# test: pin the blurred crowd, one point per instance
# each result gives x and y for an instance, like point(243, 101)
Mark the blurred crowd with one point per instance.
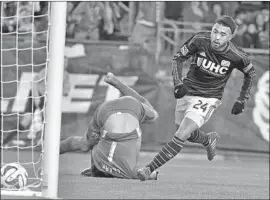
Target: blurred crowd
point(26, 10)
point(252, 18)
point(96, 20)
point(85, 20)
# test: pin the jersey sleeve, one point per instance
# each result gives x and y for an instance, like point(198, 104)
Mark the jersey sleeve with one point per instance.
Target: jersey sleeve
point(190, 47)
point(244, 64)
point(246, 67)
point(148, 114)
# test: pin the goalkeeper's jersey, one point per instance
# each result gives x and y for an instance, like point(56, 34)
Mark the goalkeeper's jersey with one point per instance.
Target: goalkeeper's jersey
point(117, 153)
point(210, 70)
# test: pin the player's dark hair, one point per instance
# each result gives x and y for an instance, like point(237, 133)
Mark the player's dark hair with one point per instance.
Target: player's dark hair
point(226, 20)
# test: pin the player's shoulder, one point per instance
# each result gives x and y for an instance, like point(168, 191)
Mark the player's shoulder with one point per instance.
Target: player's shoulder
point(238, 52)
point(201, 37)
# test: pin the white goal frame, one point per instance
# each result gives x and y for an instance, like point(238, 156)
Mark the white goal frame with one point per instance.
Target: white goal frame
point(57, 30)
point(54, 99)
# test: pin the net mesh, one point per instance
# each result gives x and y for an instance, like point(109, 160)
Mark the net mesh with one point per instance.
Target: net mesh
point(24, 60)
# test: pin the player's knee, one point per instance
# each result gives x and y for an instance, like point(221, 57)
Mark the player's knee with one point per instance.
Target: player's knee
point(185, 129)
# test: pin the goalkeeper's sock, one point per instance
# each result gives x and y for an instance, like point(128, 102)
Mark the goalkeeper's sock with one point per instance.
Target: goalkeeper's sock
point(200, 137)
point(170, 150)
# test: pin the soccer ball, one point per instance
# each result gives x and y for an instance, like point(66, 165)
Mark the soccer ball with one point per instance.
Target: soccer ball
point(13, 176)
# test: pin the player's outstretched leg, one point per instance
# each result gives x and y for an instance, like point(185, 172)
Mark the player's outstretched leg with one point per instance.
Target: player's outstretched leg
point(111, 79)
point(123, 88)
point(211, 147)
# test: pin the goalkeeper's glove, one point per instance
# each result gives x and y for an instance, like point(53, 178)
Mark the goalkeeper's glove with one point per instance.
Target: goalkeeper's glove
point(180, 91)
point(238, 107)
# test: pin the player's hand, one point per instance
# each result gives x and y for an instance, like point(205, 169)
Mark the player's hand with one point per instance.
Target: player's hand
point(180, 91)
point(238, 107)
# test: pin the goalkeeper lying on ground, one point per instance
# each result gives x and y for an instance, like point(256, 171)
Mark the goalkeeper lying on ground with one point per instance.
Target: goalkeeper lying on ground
point(114, 134)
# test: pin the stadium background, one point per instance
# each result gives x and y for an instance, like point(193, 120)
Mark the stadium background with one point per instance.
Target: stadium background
point(137, 45)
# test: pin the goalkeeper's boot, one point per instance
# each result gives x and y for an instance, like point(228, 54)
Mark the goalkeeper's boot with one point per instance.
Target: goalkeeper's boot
point(110, 79)
point(211, 147)
point(144, 173)
point(87, 172)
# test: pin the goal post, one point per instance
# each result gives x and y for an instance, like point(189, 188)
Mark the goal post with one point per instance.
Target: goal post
point(21, 43)
point(54, 99)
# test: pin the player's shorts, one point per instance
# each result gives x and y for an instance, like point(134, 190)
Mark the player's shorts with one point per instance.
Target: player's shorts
point(198, 109)
point(117, 154)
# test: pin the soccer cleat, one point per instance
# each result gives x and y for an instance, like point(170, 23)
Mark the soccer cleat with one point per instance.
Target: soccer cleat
point(211, 147)
point(153, 175)
point(87, 172)
point(144, 173)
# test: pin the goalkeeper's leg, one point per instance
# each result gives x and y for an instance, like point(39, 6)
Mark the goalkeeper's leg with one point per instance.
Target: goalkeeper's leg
point(74, 143)
point(125, 89)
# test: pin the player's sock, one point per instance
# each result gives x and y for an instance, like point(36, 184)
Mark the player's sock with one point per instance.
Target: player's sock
point(170, 150)
point(200, 137)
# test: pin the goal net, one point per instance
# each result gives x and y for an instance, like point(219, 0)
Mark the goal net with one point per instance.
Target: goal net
point(32, 43)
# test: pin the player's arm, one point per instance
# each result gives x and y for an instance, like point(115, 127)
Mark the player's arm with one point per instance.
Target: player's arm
point(186, 51)
point(249, 72)
point(182, 55)
point(249, 75)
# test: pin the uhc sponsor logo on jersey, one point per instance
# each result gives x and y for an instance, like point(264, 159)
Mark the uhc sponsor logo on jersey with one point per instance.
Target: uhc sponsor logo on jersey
point(213, 67)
